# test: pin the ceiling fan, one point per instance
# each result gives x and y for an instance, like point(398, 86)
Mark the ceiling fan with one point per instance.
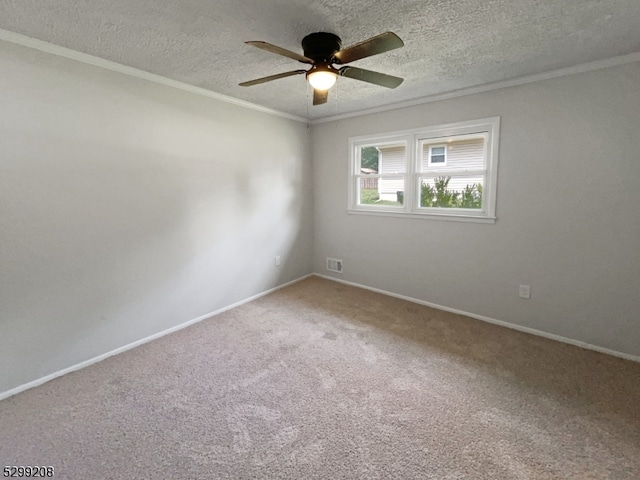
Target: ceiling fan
point(322, 50)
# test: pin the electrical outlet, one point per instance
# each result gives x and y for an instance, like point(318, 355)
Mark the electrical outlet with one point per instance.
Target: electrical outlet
point(525, 291)
point(277, 260)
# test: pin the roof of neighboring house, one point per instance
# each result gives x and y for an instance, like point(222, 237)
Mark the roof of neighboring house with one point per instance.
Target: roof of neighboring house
point(368, 170)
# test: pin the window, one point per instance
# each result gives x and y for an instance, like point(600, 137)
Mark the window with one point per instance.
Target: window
point(438, 154)
point(446, 172)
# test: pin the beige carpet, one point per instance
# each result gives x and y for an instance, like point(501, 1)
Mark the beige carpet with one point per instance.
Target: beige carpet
point(324, 381)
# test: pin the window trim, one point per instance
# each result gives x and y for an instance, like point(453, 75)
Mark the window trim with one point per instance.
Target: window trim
point(414, 138)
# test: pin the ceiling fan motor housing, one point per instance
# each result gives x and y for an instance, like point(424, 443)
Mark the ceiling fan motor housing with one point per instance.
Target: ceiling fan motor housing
point(321, 46)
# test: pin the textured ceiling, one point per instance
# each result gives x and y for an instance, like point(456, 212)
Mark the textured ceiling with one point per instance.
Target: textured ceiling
point(449, 44)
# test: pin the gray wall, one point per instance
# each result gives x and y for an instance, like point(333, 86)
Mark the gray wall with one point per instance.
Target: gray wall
point(127, 208)
point(568, 196)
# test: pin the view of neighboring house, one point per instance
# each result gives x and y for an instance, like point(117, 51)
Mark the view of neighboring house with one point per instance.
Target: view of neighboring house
point(391, 160)
point(369, 183)
point(462, 160)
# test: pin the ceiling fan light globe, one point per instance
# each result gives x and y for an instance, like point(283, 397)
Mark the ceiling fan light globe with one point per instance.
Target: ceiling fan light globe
point(322, 80)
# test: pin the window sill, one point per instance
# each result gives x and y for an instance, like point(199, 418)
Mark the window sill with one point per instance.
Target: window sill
point(425, 216)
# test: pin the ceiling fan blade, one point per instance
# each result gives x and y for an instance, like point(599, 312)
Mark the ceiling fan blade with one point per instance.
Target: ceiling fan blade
point(378, 44)
point(271, 77)
point(280, 51)
point(370, 76)
point(320, 96)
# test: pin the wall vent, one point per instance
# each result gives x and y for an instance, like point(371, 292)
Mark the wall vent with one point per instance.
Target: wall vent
point(334, 265)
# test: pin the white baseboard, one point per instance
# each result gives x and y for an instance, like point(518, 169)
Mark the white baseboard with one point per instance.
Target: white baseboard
point(137, 343)
point(513, 326)
point(91, 361)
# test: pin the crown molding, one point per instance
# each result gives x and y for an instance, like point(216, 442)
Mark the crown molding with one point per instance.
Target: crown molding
point(50, 48)
point(487, 87)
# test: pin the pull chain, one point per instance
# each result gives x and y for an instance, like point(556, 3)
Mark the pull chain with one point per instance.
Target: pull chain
point(307, 83)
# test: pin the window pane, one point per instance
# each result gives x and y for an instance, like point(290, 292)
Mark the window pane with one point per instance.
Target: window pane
point(369, 157)
point(390, 158)
point(464, 154)
point(384, 192)
point(452, 191)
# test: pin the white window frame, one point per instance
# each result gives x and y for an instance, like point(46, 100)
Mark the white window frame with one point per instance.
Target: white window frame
point(431, 162)
point(413, 139)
